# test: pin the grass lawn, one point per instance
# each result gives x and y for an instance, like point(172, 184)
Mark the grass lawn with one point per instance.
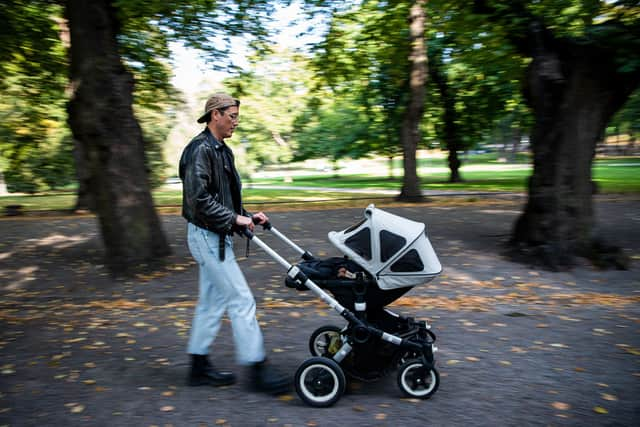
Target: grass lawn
point(173, 198)
point(613, 175)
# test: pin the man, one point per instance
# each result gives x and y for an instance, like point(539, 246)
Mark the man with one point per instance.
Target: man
point(212, 205)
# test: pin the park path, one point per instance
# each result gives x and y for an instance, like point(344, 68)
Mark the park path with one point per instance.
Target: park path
point(518, 346)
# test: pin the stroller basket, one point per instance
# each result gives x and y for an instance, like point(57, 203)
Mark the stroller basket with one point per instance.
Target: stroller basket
point(385, 256)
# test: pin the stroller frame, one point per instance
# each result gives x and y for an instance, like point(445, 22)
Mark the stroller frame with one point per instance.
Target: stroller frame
point(320, 380)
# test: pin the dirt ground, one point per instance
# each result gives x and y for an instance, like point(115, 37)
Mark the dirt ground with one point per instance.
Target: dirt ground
point(517, 345)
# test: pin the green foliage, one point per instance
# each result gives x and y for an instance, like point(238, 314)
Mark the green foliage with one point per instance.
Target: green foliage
point(362, 69)
point(612, 24)
point(479, 73)
point(269, 104)
point(627, 120)
point(35, 144)
point(334, 130)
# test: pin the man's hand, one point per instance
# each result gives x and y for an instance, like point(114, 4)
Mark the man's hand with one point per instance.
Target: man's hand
point(260, 218)
point(244, 221)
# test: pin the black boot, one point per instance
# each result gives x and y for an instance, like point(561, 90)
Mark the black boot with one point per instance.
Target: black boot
point(265, 379)
point(203, 373)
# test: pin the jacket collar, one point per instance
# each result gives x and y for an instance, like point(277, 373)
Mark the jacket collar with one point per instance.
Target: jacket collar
point(212, 139)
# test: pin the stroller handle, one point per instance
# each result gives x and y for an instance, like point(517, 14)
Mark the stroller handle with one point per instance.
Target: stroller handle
point(306, 255)
point(245, 232)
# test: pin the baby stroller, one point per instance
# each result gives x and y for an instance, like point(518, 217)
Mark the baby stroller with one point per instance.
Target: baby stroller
point(385, 255)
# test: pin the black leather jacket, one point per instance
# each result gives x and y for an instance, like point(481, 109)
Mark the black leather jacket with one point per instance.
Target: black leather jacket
point(211, 187)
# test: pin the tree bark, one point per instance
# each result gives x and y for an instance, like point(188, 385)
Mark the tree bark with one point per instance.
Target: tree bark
point(410, 131)
point(573, 91)
point(451, 137)
point(110, 139)
point(84, 199)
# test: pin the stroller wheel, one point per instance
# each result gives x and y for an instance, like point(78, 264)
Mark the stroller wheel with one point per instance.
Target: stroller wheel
point(403, 358)
point(320, 382)
point(416, 381)
point(325, 341)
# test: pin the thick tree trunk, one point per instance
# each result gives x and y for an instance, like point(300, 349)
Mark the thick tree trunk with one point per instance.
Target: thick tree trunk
point(573, 92)
point(84, 199)
point(410, 132)
point(112, 151)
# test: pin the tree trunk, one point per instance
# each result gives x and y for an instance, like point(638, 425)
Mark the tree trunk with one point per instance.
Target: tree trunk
point(515, 144)
point(410, 131)
point(451, 139)
point(84, 199)
point(573, 92)
point(112, 151)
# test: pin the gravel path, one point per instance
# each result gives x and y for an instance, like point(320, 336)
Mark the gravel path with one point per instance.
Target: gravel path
point(517, 345)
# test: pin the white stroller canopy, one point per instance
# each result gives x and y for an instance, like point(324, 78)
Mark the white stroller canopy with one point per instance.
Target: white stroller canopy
point(393, 249)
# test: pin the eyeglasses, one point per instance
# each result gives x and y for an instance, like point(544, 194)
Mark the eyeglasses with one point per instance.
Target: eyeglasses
point(233, 116)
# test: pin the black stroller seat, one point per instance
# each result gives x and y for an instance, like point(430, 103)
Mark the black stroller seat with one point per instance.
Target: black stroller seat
point(348, 282)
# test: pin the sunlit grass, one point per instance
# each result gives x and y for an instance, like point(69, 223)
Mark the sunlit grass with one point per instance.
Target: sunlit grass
point(173, 198)
point(612, 176)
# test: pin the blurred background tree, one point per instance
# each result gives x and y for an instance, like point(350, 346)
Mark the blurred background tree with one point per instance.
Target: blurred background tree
point(366, 58)
point(477, 78)
point(35, 143)
point(120, 102)
point(564, 71)
point(584, 65)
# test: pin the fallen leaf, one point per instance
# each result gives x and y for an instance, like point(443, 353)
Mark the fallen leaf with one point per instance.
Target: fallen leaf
point(561, 406)
point(600, 410)
point(77, 409)
point(285, 397)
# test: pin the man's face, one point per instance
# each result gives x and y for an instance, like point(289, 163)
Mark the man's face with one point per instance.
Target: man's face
point(226, 122)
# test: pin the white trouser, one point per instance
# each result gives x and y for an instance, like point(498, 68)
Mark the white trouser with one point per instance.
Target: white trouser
point(222, 288)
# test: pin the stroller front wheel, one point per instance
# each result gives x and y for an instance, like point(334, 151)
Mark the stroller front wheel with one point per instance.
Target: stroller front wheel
point(325, 341)
point(320, 382)
point(416, 381)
